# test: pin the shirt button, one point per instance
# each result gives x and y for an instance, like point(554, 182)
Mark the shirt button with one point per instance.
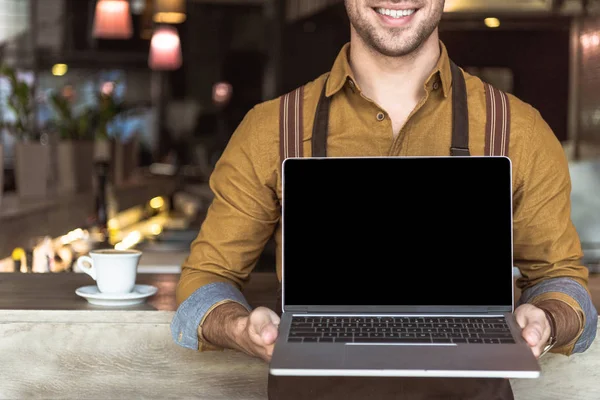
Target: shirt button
point(380, 116)
point(436, 85)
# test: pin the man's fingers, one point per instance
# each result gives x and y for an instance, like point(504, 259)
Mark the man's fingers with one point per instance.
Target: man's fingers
point(269, 334)
point(534, 323)
point(521, 320)
point(266, 354)
point(521, 317)
point(260, 317)
point(269, 350)
point(533, 333)
point(261, 333)
point(274, 317)
point(264, 325)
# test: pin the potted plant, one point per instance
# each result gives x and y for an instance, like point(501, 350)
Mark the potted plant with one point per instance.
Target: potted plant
point(76, 146)
point(32, 157)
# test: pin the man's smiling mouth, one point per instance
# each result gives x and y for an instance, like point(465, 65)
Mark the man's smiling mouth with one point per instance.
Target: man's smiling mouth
point(395, 13)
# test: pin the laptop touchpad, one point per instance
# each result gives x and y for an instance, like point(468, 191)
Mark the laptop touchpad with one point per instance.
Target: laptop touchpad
point(398, 356)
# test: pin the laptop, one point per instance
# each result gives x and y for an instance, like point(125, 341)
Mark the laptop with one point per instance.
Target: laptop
point(399, 266)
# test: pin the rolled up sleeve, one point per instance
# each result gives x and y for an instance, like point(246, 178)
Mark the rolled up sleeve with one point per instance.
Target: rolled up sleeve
point(239, 222)
point(192, 312)
point(547, 248)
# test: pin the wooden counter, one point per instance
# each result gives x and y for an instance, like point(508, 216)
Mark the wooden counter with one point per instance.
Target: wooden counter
point(57, 291)
point(54, 345)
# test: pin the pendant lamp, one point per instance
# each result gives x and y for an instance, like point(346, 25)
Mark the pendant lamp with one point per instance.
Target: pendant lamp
point(112, 20)
point(169, 11)
point(165, 49)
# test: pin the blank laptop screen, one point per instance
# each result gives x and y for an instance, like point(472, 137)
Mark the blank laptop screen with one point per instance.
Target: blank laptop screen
point(397, 231)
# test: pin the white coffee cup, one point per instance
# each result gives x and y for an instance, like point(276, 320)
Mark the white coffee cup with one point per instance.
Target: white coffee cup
point(113, 270)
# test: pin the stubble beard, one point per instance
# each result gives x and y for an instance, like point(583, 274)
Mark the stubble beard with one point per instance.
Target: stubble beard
point(398, 42)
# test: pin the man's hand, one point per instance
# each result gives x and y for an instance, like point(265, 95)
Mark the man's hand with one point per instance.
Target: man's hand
point(535, 325)
point(230, 326)
point(256, 334)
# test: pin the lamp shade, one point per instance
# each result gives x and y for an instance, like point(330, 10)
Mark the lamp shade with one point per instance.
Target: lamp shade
point(169, 11)
point(112, 20)
point(165, 49)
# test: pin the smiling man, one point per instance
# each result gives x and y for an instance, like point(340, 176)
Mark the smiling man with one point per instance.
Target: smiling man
point(390, 93)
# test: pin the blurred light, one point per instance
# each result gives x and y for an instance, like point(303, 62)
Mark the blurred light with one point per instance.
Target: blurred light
point(590, 39)
point(450, 5)
point(112, 20)
point(169, 11)
point(107, 88)
point(60, 69)
point(156, 229)
point(163, 169)
point(492, 22)
point(138, 6)
point(596, 117)
point(157, 202)
point(165, 49)
point(129, 241)
point(112, 224)
point(66, 255)
point(222, 93)
point(18, 253)
point(77, 234)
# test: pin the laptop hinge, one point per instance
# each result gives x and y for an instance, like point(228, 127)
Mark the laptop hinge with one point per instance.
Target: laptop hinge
point(296, 310)
point(497, 310)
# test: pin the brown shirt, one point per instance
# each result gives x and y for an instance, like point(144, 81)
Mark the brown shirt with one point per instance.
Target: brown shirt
point(247, 184)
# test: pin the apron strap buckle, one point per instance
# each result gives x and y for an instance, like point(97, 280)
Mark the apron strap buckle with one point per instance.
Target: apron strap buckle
point(459, 152)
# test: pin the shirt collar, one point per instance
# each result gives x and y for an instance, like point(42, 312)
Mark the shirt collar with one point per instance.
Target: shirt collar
point(341, 71)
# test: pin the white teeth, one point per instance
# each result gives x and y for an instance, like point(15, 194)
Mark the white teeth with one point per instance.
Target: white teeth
point(395, 13)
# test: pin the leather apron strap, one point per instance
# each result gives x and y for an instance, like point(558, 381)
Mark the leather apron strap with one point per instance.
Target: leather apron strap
point(321, 125)
point(460, 114)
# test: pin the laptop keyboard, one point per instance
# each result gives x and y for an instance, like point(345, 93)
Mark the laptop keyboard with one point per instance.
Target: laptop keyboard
point(399, 330)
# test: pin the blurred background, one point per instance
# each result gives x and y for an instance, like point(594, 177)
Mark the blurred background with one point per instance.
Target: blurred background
point(113, 112)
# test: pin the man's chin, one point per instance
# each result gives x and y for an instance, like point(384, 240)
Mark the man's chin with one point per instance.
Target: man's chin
point(394, 51)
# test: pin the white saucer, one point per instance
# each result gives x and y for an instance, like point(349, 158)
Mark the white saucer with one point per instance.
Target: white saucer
point(137, 296)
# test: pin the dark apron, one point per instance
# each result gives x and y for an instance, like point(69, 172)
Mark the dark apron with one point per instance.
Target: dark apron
point(296, 388)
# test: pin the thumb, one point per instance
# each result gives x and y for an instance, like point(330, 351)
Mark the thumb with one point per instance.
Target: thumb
point(532, 329)
point(532, 334)
point(264, 324)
